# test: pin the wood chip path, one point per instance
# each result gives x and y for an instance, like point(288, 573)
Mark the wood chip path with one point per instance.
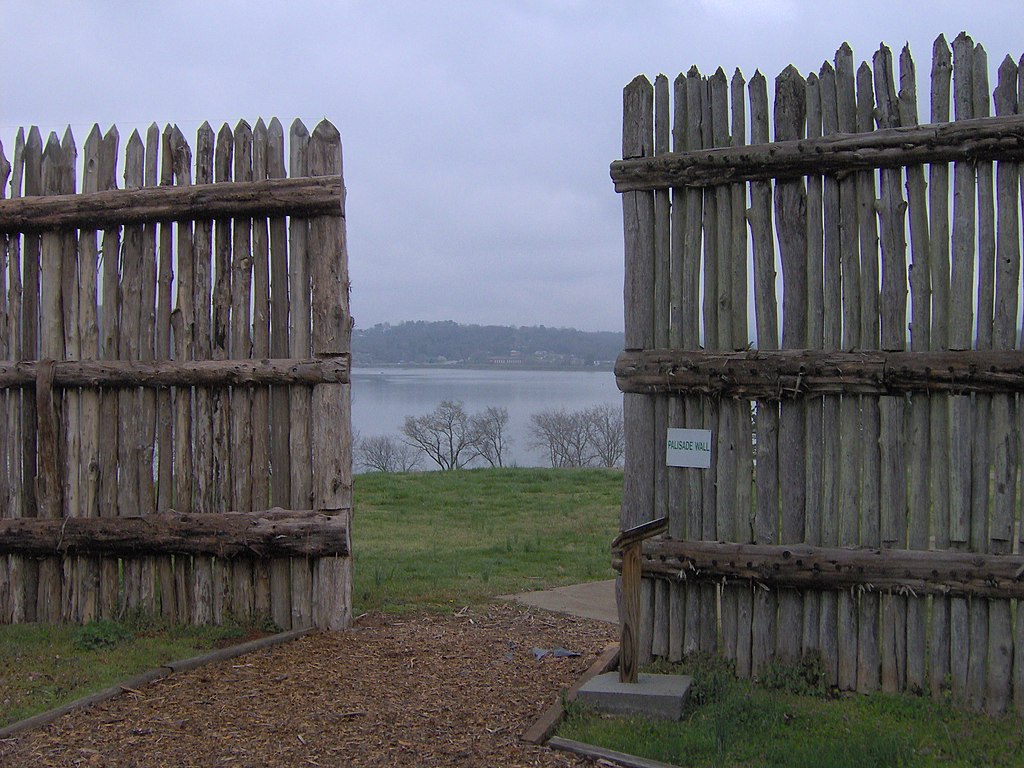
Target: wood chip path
point(413, 690)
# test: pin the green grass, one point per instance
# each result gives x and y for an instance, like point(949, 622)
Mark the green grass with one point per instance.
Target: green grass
point(443, 538)
point(734, 723)
point(45, 665)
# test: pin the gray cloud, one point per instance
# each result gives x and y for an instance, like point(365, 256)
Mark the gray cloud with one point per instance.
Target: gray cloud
point(477, 134)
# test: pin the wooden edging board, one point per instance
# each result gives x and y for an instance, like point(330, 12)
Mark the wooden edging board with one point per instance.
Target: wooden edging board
point(152, 675)
point(607, 755)
point(545, 725)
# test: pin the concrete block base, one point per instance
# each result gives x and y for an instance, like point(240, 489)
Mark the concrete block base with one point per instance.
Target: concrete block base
point(656, 696)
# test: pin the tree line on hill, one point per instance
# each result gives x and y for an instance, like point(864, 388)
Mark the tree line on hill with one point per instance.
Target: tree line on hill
point(451, 438)
point(421, 342)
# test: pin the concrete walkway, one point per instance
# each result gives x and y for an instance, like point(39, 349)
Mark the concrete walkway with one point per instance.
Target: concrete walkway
point(593, 600)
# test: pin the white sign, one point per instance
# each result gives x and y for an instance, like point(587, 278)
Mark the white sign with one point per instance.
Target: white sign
point(689, 448)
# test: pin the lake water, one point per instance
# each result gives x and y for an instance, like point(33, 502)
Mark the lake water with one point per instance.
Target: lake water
point(383, 397)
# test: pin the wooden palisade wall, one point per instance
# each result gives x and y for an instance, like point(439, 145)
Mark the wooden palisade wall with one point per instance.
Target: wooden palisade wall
point(863, 501)
point(174, 392)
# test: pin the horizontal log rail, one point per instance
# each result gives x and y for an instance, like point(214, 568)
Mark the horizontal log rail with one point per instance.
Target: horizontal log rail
point(986, 138)
point(274, 533)
point(768, 375)
point(177, 373)
point(307, 197)
point(910, 572)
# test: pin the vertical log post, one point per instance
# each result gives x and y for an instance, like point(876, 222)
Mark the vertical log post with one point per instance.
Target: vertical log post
point(938, 259)
point(638, 410)
point(790, 221)
point(8, 405)
point(868, 662)
point(693, 203)
point(280, 491)
point(48, 476)
point(300, 398)
point(629, 650)
point(850, 455)
point(32, 157)
point(629, 544)
point(677, 620)
point(13, 423)
point(242, 594)
point(766, 508)
point(332, 431)
point(109, 592)
point(202, 589)
point(164, 404)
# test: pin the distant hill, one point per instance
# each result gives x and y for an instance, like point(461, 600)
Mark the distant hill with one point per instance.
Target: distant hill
point(447, 342)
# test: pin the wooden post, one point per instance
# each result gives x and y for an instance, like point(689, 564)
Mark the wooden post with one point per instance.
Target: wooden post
point(128, 349)
point(109, 586)
point(205, 468)
point(850, 455)
point(18, 400)
point(71, 431)
point(8, 405)
point(868, 663)
point(676, 490)
point(164, 404)
point(1007, 278)
point(149, 590)
point(243, 596)
point(280, 490)
point(693, 414)
point(629, 543)
point(938, 259)
point(790, 220)
point(766, 509)
point(260, 423)
point(961, 322)
point(183, 326)
point(331, 406)
point(638, 410)
point(629, 636)
point(819, 224)
point(32, 158)
point(743, 515)
point(918, 496)
point(724, 428)
point(48, 476)
point(662, 315)
point(981, 461)
point(300, 398)
point(893, 328)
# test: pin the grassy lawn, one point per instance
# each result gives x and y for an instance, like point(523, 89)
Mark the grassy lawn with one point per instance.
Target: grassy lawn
point(446, 538)
point(793, 721)
point(45, 665)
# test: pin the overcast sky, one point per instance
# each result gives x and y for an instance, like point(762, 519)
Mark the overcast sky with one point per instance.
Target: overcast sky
point(477, 135)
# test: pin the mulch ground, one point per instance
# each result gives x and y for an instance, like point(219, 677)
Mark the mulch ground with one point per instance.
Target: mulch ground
point(420, 690)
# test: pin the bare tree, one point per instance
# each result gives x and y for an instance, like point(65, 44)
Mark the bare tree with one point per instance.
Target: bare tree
point(383, 453)
point(592, 437)
point(608, 434)
point(567, 437)
point(488, 430)
point(444, 435)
